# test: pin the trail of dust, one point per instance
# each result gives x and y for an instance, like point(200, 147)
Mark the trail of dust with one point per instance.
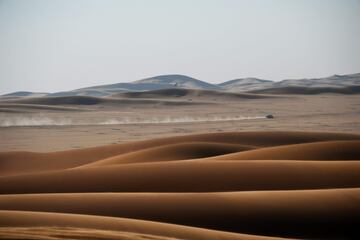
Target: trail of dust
point(10, 121)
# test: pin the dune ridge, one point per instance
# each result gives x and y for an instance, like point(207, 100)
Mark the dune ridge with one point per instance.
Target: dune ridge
point(232, 185)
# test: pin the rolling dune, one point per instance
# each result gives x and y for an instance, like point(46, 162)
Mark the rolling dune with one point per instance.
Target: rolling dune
point(18, 162)
point(291, 213)
point(190, 176)
point(213, 186)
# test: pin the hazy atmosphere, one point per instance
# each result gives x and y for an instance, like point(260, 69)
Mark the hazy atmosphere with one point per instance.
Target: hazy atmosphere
point(179, 119)
point(63, 45)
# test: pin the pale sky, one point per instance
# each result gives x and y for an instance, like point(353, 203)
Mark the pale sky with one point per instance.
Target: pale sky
point(67, 44)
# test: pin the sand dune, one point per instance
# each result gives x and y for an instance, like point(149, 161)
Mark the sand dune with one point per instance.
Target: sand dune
point(218, 185)
point(15, 163)
point(303, 214)
point(190, 176)
point(70, 226)
point(333, 150)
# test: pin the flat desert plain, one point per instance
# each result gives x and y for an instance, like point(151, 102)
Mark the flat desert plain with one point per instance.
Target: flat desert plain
point(196, 166)
point(44, 126)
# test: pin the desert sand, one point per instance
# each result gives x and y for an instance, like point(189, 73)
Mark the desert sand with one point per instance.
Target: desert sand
point(199, 165)
point(232, 185)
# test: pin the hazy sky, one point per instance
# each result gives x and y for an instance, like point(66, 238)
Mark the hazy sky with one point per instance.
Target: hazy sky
point(68, 44)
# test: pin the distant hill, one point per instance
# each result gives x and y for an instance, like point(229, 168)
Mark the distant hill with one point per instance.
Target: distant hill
point(176, 81)
point(341, 84)
point(147, 84)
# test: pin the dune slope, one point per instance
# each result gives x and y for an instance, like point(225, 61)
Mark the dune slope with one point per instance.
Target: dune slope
point(276, 213)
